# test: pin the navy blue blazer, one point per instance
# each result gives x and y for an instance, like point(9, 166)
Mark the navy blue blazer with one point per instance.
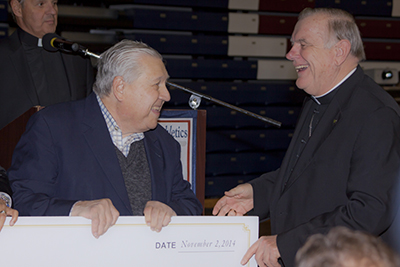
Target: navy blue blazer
point(66, 155)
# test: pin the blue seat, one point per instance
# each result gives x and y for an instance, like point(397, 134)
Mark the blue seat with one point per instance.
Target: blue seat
point(224, 118)
point(248, 140)
point(365, 8)
point(3, 11)
point(211, 69)
point(178, 20)
point(269, 93)
point(183, 44)
point(4, 30)
point(217, 185)
point(192, 3)
point(242, 163)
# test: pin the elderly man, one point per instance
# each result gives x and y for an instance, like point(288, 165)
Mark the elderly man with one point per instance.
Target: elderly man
point(5, 200)
point(106, 155)
point(344, 158)
point(30, 75)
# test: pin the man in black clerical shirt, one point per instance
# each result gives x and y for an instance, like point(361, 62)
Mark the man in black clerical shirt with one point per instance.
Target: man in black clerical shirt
point(342, 165)
point(30, 75)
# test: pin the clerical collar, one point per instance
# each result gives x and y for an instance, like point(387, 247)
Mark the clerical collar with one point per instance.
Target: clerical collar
point(29, 39)
point(327, 97)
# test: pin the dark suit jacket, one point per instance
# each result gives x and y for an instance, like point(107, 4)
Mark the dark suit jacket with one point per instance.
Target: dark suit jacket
point(17, 90)
point(345, 174)
point(4, 184)
point(66, 155)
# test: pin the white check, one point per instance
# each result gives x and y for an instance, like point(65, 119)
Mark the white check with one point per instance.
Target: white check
point(202, 241)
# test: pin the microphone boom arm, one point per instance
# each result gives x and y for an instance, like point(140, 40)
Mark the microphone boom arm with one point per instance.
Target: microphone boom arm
point(222, 103)
point(208, 98)
point(88, 53)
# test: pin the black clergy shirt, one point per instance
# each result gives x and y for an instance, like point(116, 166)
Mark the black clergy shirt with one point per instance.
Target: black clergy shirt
point(47, 70)
point(313, 115)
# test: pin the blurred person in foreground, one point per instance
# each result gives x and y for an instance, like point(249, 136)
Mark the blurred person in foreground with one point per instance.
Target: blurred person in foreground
point(343, 247)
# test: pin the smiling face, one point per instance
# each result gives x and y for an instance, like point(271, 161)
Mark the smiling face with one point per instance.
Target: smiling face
point(36, 17)
point(140, 101)
point(313, 61)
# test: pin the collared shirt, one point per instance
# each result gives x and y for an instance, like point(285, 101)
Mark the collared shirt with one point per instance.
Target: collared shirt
point(315, 112)
point(47, 70)
point(123, 144)
point(336, 86)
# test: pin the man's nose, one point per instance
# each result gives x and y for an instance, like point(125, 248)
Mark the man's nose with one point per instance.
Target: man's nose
point(164, 93)
point(52, 8)
point(291, 55)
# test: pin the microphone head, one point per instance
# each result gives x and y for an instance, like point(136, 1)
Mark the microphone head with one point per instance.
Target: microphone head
point(47, 41)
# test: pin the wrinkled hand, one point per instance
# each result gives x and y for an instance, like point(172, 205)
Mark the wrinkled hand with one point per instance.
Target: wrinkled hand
point(236, 202)
point(102, 213)
point(8, 212)
point(157, 215)
point(266, 252)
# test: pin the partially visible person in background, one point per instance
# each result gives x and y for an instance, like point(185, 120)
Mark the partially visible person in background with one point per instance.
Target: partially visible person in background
point(343, 247)
point(31, 76)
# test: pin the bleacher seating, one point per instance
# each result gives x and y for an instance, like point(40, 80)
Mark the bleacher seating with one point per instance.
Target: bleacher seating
point(238, 140)
point(232, 50)
point(242, 163)
point(3, 19)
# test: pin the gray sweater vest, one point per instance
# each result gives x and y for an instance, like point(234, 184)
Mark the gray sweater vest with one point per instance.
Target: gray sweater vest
point(136, 173)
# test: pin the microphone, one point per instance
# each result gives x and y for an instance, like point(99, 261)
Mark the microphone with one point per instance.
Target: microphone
point(52, 42)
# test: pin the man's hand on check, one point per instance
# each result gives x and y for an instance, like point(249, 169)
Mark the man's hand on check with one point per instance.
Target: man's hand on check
point(157, 215)
point(6, 211)
point(236, 202)
point(102, 213)
point(266, 252)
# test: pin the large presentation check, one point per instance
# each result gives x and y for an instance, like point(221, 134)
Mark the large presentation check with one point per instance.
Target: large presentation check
point(202, 241)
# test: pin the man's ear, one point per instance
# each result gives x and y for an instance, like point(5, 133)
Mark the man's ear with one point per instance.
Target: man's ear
point(16, 8)
point(118, 87)
point(342, 50)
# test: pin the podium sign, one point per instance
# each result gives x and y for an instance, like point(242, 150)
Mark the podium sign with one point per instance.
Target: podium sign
point(182, 130)
point(195, 241)
point(188, 127)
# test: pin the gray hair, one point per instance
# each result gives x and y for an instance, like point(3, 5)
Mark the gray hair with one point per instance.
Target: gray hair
point(345, 247)
point(123, 59)
point(341, 26)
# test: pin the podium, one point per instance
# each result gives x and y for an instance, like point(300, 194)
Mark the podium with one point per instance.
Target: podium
point(10, 135)
point(188, 127)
